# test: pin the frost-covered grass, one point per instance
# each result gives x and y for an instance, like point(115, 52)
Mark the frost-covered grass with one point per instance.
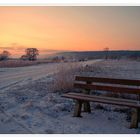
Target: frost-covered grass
point(35, 108)
point(64, 79)
point(20, 63)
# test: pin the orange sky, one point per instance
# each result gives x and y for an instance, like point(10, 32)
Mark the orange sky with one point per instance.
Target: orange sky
point(52, 29)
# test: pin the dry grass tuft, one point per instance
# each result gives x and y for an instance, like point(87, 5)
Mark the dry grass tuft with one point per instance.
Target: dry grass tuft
point(64, 79)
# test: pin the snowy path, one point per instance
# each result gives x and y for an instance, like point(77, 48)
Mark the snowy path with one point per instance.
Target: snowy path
point(12, 76)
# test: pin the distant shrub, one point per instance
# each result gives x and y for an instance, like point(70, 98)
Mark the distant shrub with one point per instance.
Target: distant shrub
point(20, 63)
point(24, 57)
point(15, 63)
point(4, 55)
point(135, 56)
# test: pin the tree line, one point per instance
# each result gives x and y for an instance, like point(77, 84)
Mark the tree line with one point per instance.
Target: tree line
point(30, 54)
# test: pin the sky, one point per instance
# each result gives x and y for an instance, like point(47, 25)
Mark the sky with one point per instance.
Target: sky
point(69, 28)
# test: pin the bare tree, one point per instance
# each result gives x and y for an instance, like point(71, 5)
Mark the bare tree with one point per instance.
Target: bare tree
point(4, 55)
point(31, 53)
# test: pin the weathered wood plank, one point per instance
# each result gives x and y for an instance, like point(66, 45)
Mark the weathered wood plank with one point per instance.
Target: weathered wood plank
point(108, 88)
point(104, 97)
point(108, 80)
point(82, 98)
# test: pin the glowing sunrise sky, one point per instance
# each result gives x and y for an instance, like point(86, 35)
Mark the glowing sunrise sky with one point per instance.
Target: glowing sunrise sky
point(53, 29)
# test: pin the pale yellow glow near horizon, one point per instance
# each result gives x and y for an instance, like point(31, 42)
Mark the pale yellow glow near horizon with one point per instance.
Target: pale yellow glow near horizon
point(69, 28)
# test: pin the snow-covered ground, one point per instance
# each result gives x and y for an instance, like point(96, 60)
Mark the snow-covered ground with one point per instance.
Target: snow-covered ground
point(12, 76)
point(30, 107)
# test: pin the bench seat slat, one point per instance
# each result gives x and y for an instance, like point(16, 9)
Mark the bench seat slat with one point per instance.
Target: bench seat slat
point(104, 97)
point(109, 80)
point(99, 100)
point(108, 88)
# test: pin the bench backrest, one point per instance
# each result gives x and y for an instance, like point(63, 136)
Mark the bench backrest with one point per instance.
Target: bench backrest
point(108, 84)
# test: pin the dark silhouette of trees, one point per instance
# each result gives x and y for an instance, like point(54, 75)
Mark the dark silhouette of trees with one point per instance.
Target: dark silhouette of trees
point(134, 56)
point(31, 54)
point(24, 57)
point(4, 55)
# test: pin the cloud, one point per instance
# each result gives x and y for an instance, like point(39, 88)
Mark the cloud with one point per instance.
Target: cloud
point(49, 50)
point(16, 46)
point(6, 48)
point(13, 46)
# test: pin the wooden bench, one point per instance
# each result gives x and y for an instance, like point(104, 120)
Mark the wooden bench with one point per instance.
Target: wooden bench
point(114, 86)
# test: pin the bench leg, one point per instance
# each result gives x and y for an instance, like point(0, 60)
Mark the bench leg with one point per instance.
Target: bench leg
point(87, 107)
point(77, 109)
point(138, 115)
point(134, 118)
